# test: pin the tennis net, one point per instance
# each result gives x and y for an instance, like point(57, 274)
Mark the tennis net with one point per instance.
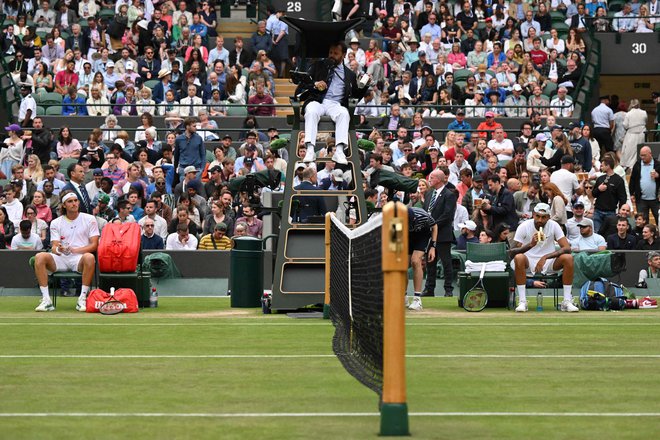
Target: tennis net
point(356, 300)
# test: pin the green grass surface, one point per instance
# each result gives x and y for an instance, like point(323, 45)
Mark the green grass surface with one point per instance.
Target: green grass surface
point(159, 365)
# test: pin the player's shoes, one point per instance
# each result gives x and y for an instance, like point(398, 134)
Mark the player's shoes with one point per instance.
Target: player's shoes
point(45, 306)
point(407, 301)
point(339, 156)
point(309, 154)
point(522, 306)
point(416, 304)
point(81, 305)
point(568, 306)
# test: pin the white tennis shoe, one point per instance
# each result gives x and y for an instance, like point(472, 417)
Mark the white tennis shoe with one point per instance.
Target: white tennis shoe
point(81, 305)
point(568, 306)
point(309, 154)
point(522, 306)
point(339, 156)
point(45, 306)
point(416, 304)
point(407, 301)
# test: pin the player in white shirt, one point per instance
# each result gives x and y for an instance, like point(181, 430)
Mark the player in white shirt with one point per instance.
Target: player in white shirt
point(74, 237)
point(534, 250)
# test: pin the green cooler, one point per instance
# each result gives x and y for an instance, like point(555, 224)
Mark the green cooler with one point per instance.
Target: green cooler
point(496, 284)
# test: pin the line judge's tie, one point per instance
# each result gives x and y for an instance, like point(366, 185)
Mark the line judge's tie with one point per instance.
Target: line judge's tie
point(191, 110)
point(433, 199)
point(85, 197)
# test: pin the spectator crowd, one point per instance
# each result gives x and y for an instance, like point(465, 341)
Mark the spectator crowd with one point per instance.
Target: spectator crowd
point(485, 60)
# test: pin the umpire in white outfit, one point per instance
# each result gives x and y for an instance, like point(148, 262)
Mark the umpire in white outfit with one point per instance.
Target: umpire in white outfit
point(333, 85)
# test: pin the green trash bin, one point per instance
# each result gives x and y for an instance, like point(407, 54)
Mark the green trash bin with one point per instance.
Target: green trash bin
point(246, 272)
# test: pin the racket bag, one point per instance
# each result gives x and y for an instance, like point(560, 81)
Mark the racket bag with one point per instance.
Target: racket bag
point(97, 297)
point(119, 248)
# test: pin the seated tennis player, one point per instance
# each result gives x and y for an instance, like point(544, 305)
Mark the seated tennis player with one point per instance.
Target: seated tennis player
point(422, 235)
point(74, 238)
point(535, 253)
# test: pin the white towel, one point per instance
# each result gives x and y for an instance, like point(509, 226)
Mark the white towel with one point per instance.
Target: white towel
point(491, 266)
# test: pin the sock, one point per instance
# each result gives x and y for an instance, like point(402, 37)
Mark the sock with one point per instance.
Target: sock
point(522, 292)
point(418, 294)
point(44, 293)
point(84, 290)
point(568, 292)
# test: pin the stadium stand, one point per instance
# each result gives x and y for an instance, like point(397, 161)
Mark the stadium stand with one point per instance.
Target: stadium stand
point(82, 82)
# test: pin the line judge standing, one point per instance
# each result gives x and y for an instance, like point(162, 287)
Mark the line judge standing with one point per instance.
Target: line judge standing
point(333, 85)
point(440, 202)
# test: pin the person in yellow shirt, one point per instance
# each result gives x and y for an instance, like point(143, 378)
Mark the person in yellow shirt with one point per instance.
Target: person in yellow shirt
point(216, 240)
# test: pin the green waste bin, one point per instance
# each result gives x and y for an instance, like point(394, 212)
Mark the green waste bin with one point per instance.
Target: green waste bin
point(246, 272)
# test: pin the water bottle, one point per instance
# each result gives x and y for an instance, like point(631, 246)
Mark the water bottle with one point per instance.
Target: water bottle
point(153, 299)
point(539, 302)
point(265, 303)
point(512, 298)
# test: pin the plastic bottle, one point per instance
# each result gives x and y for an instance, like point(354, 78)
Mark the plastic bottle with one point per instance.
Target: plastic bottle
point(539, 302)
point(153, 299)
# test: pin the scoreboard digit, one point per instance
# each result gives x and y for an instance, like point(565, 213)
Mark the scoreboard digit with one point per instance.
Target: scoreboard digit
point(307, 9)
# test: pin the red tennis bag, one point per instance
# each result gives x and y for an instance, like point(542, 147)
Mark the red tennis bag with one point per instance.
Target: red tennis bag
point(97, 297)
point(119, 248)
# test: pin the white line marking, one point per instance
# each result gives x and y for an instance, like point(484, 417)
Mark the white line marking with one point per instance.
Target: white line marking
point(325, 356)
point(332, 414)
point(324, 324)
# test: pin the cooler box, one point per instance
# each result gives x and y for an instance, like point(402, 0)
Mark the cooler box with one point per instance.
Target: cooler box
point(496, 284)
point(139, 281)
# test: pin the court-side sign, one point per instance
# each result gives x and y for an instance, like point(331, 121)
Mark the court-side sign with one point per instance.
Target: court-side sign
point(629, 53)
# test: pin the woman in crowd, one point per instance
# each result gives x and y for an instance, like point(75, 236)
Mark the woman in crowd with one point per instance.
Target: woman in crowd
point(191, 209)
point(543, 17)
point(235, 87)
point(372, 53)
point(110, 129)
point(209, 18)
point(216, 106)
point(216, 216)
point(39, 226)
point(7, 230)
point(43, 80)
point(635, 125)
point(557, 201)
point(457, 58)
point(446, 105)
point(619, 129)
point(524, 181)
point(588, 199)
point(529, 78)
point(554, 42)
point(33, 170)
point(67, 145)
point(145, 104)
point(13, 153)
point(428, 96)
point(649, 241)
point(513, 41)
point(197, 44)
point(60, 64)
point(595, 147)
point(147, 121)
point(574, 42)
point(644, 22)
point(563, 149)
point(43, 210)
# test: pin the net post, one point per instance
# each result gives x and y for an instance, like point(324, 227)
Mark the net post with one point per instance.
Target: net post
point(394, 408)
point(326, 300)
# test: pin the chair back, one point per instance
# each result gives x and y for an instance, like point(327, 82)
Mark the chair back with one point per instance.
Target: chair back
point(485, 252)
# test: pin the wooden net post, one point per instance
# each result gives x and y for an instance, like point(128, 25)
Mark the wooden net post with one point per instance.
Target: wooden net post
point(326, 301)
point(394, 409)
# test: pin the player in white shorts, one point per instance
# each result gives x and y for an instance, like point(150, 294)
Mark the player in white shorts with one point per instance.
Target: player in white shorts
point(74, 237)
point(534, 252)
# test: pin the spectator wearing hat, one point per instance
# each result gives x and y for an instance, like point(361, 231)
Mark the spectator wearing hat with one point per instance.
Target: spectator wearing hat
point(468, 235)
point(515, 105)
point(588, 239)
point(360, 56)
point(534, 252)
point(28, 108)
point(487, 127)
point(334, 182)
point(460, 125)
point(103, 208)
point(13, 151)
point(94, 186)
point(566, 180)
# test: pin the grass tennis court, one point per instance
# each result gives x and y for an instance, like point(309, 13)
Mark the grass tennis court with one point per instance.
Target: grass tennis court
point(194, 368)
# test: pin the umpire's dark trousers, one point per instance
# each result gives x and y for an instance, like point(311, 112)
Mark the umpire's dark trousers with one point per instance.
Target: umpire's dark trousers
point(644, 206)
point(604, 138)
point(442, 252)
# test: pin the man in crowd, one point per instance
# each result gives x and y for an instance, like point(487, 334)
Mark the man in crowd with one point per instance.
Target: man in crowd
point(645, 184)
point(181, 240)
point(500, 205)
point(526, 201)
point(609, 191)
point(588, 239)
point(216, 240)
point(150, 240)
point(189, 149)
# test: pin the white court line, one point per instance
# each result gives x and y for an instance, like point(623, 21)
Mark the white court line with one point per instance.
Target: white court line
point(326, 324)
point(325, 356)
point(331, 414)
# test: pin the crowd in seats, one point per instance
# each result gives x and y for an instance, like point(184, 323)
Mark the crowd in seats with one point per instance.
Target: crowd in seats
point(507, 60)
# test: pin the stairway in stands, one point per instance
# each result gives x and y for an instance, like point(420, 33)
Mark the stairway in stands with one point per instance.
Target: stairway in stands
point(284, 89)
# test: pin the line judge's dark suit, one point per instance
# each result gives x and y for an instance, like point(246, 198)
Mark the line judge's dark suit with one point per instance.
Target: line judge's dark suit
point(443, 213)
point(310, 206)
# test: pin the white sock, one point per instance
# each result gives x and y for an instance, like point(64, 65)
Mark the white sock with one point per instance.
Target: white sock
point(568, 292)
point(44, 293)
point(522, 292)
point(84, 290)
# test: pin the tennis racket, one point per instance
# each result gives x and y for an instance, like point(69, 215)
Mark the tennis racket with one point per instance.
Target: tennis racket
point(112, 306)
point(475, 299)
